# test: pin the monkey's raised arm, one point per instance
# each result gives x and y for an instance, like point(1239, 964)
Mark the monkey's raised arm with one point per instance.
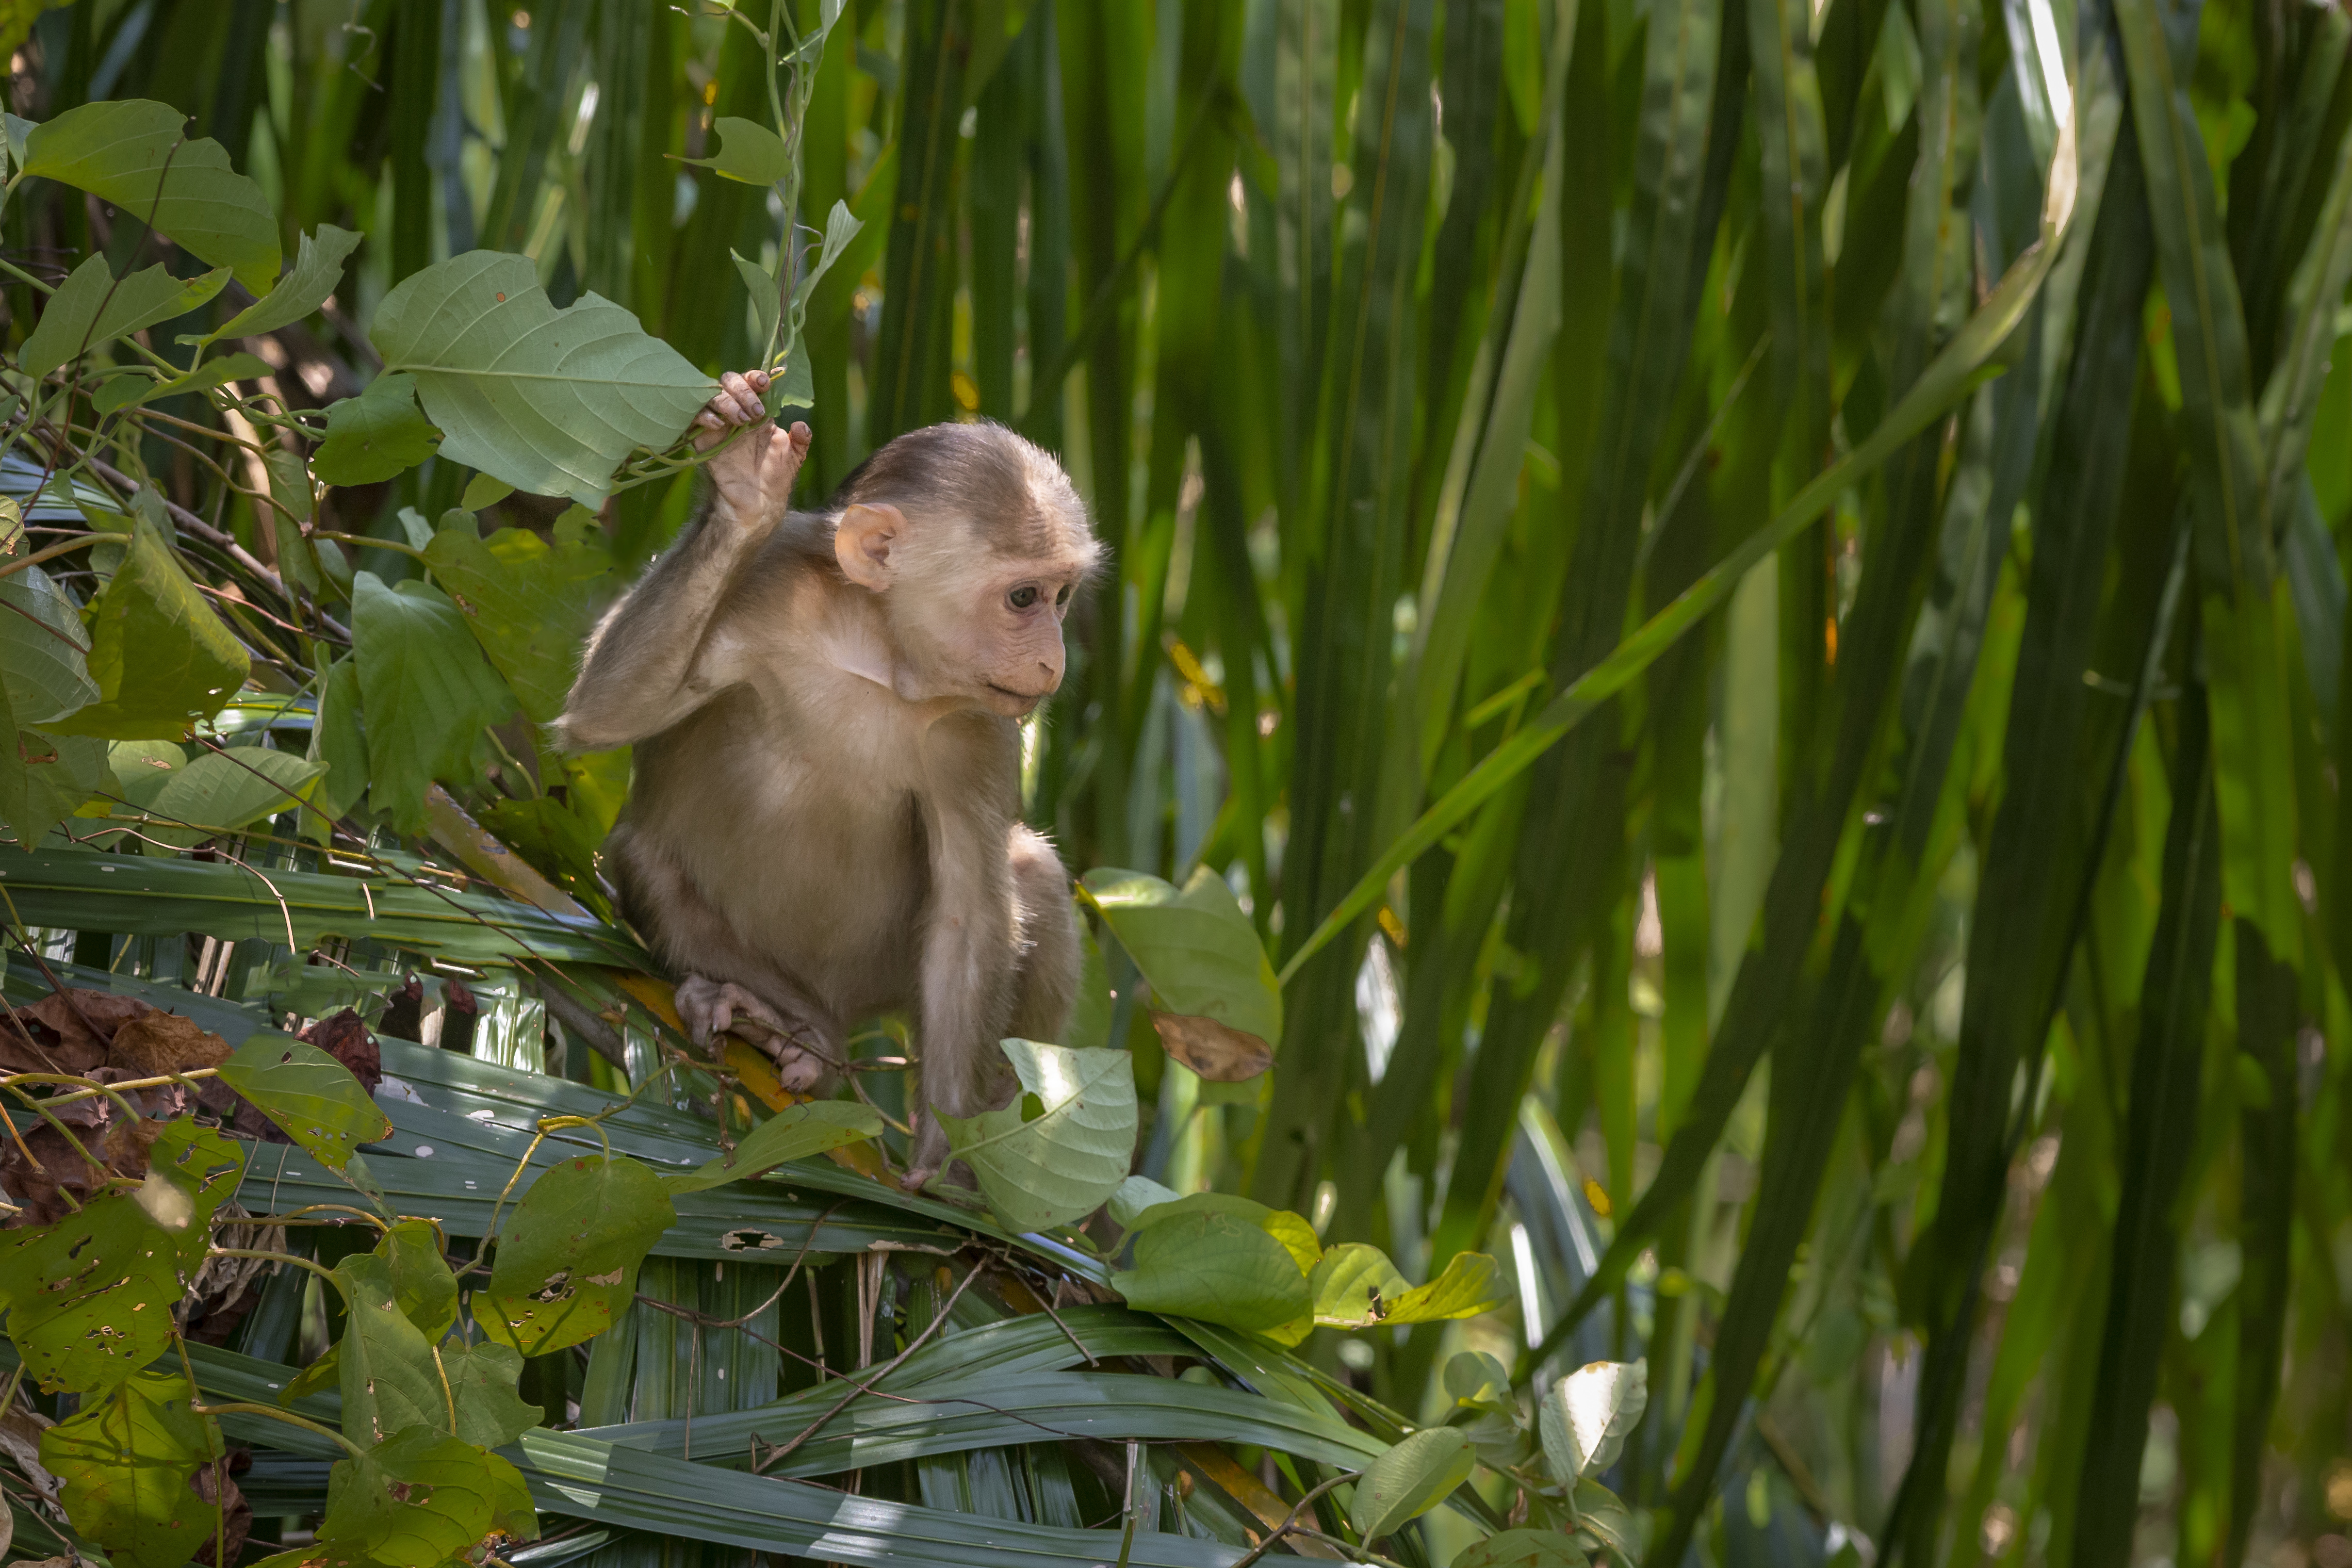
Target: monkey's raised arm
point(648, 665)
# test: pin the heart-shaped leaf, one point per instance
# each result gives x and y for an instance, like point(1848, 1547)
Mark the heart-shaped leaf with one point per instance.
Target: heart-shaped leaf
point(43, 651)
point(1410, 1479)
point(747, 153)
point(380, 433)
point(137, 153)
point(312, 1097)
point(390, 1380)
point(1219, 1267)
point(91, 1296)
point(126, 1460)
point(792, 1133)
point(422, 1496)
point(221, 792)
point(482, 1380)
point(1056, 1154)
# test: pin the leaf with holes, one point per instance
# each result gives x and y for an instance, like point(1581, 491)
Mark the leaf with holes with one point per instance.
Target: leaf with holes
point(380, 433)
point(567, 1263)
point(224, 791)
point(1410, 1479)
point(90, 1297)
point(161, 655)
point(308, 284)
point(424, 689)
point(92, 308)
point(1057, 1152)
point(126, 1461)
point(422, 1496)
point(548, 401)
point(792, 1133)
point(1219, 1009)
point(312, 1097)
point(391, 1379)
point(137, 154)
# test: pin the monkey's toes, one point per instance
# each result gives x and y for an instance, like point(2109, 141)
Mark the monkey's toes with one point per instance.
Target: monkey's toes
point(797, 1070)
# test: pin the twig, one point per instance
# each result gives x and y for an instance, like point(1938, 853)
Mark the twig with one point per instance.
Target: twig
point(1290, 1521)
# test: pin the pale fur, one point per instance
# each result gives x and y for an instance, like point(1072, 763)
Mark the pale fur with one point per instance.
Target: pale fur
point(826, 803)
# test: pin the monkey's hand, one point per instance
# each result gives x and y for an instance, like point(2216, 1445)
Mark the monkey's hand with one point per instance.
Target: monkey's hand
point(711, 1007)
point(752, 480)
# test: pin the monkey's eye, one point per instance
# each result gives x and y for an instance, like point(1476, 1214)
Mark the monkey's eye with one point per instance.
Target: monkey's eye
point(1063, 597)
point(1023, 596)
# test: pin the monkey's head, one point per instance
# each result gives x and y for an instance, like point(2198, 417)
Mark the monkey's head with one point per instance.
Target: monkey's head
point(977, 543)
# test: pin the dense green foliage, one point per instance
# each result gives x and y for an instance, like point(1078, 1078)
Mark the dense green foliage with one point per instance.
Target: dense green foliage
point(1724, 642)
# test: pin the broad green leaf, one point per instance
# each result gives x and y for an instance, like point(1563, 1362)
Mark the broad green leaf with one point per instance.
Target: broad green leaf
point(1204, 962)
point(123, 392)
point(767, 301)
point(91, 308)
point(1524, 1549)
point(529, 605)
point(1410, 1479)
point(1135, 1197)
point(426, 690)
point(747, 152)
point(484, 491)
point(1355, 1285)
point(1219, 1267)
point(423, 1498)
point(160, 654)
point(550, 401)
point(192, 1170)
point(338, 741)
point(1472, 1283)
point(317, 267)
point(568, 1256)
point(126, 1461)
point(43, 651)
point(792, 1133)
point(221, 792)
point(1602, 1517)
point(52, 776)
point(1292, 1231)
point(136, 154)
point(311, 1097)
point(1056, 1154)
point(1586, 1415)
point(482, 1380)
point(422, 1285)
point(380, 433)
point(91, 1296)
point(391, 1379)
point(1477, 1380)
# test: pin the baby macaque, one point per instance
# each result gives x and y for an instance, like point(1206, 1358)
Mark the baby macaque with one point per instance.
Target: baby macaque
point(825, 821)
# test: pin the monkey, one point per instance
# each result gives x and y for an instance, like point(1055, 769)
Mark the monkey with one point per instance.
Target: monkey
point(825, 820)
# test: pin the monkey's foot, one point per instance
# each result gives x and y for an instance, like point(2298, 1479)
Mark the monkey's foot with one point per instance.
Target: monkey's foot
point(711, 1007)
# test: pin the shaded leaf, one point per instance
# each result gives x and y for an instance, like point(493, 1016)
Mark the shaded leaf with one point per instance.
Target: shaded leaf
point(567, 1261)
point(1218, 1268)
point(221, 792)
point(792, 1133)
point(317, 267)
point(380, 433)
point(426, 690)
point(309, 1095)
point(126, 1461)
point(748, 152)
point(131, 391)
point(1197, 950)
point(1410, 1479)
point(423, 1498)
point(530, 604)
point(482, 1380)
point(160, 654)
point(136, 154)
point(1058, 1163)
point(391, 1379)
point(92, 307)
point(1523, 1549)
point(43, 649)
point(53, 775)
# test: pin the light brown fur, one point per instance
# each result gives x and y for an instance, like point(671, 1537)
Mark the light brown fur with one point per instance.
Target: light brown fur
point(824, 823)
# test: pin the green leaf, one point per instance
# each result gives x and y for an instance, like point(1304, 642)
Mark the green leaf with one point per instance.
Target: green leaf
point(91, 1296)
point(841, 226)
point(390, 1378)
point(192, 1170)
point(1204, 962)
point(1472, 1283)
point(1586, 1415)
point(422, 1285)
point(312, 1097)
point(123, 392)
point(126, 1462)
point(91, 308)
point(567, 1262)
point(128, 151)
point(792, 1133)
point(317, 267)
point(1135, 1197)
point(1355, 1285)
point(1524, 1549)
point(548, 401)
point(1291, 1230)
point(338, 741)
point(221, 792)
point(451, 1496)
point(482, 1380)
point(43, 651)
point(529, 605)
point(1410, 1479)
point(483, 491)
point(53, 775)
point(747, 152)
point(380, 433)
point(1059, 1165)
point(1219, 1267)
point(426, 690)
point(767, 301)
point(162, 657)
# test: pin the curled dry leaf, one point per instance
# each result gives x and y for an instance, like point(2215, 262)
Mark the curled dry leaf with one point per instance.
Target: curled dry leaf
point(69, 1031)
point(1218, 1052)
point(39, 1167)
point(155, 1042)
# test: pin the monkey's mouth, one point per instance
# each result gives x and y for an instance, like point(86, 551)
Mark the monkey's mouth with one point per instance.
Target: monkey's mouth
point(1027, 700)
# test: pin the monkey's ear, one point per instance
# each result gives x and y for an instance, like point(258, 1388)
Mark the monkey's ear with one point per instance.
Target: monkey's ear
point(862, 541)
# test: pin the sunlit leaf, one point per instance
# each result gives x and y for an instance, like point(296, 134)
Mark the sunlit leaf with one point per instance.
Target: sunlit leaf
point(1056, 1154)
point(1219, 1267)
point(126, 1460)
point(1586, 1415)
point(792, 1133)
point(90, 1297)
point(312, 1097)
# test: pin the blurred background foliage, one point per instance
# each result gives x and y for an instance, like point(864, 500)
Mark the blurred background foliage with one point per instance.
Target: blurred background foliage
point(1911, 1012)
